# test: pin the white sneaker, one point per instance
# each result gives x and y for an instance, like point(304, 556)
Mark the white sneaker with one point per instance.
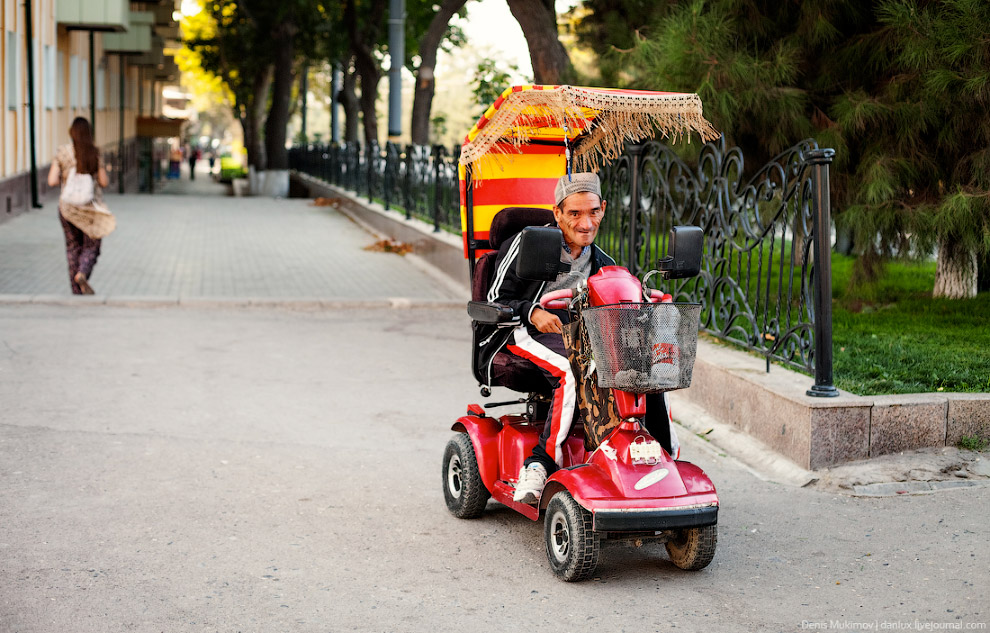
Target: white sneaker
point(532, 478)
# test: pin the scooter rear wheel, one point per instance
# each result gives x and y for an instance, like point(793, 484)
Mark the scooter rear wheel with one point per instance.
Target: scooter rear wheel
point(463, 490)
point(572, 544)
point(693, 548)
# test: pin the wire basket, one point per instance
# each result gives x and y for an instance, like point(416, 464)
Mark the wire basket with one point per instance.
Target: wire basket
point(644, 347)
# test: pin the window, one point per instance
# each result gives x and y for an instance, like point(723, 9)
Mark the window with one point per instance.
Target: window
point(84, 96)
point(101, 90)
point(13, 79)
point(60, 78)
point(49, 91)
point(74, 70)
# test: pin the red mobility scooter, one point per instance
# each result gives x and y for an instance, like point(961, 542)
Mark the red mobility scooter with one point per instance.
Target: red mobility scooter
point(627, 486)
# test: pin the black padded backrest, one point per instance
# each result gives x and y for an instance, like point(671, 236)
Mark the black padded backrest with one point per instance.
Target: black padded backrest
point(505, 224)
point(484, 270)
point(512, 220)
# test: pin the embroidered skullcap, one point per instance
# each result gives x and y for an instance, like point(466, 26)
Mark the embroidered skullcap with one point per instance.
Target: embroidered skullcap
point(579, 182)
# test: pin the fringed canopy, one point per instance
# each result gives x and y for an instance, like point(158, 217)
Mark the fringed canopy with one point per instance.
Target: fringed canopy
point(610, 118)
point(516, 151)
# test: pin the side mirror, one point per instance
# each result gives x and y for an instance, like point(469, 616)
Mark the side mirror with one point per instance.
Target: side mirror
point(539, 253)
point(684, 255)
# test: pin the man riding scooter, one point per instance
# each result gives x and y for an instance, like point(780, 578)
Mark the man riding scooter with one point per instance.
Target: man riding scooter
point(578, 211)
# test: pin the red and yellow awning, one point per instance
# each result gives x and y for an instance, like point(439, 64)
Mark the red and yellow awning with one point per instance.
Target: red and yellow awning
point(516, 150)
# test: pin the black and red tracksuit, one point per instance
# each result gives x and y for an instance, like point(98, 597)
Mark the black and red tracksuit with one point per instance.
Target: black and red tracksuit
point(546, 351)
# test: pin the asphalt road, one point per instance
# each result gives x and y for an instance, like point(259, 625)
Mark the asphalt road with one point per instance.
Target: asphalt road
point(187, 469)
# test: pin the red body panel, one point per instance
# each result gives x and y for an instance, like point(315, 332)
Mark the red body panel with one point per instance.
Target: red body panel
point(609, 286)
point(629, 471)
point(614, 284)
point(612, 481)
point(605, 480)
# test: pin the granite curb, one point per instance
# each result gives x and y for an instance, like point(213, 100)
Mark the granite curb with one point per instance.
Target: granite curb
point(297, 303)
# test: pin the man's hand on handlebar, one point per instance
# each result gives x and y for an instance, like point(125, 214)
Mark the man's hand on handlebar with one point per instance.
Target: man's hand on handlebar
point(545, 321)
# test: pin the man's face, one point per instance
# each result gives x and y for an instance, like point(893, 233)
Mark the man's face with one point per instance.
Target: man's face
point(578, 216)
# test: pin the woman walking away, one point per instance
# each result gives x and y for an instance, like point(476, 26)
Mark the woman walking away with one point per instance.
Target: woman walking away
point(79, 157)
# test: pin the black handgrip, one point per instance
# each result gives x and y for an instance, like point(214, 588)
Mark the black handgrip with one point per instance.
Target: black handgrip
point(487, 312)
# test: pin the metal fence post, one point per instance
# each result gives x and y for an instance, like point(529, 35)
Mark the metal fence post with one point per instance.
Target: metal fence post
point(635, 151)
point(820, 159)
point(371, 150)
point(437, 159)
point(408, 197)
point(388, 177)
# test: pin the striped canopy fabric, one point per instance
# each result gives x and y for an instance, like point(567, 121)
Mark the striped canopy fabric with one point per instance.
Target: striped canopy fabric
point(516, 152)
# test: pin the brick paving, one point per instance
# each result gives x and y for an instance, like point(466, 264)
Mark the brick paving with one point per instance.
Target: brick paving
point(193, 242)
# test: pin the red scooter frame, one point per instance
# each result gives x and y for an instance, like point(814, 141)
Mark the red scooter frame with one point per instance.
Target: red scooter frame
point(629, 487)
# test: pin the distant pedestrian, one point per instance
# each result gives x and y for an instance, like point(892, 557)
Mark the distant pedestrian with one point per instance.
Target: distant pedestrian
point(212, 158)
point(79, 157)
point(193, 157)
point(174, 160)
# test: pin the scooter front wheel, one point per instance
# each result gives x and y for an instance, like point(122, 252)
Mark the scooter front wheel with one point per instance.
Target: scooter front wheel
point(572, 544)
point(463, 490)
point(693, 548)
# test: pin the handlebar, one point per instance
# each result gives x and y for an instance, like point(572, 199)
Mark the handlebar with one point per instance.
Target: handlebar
point(556, 300)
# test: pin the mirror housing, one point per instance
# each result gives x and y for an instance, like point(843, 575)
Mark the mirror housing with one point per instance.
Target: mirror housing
point(539, 253)
point(684, 255)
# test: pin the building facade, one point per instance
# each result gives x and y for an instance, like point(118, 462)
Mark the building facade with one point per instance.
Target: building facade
point(104, 60)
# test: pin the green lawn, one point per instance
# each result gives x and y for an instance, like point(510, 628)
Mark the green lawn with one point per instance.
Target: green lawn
point(892, 337)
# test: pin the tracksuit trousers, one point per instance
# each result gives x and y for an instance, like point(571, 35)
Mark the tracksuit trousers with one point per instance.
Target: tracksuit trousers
point(547, 352)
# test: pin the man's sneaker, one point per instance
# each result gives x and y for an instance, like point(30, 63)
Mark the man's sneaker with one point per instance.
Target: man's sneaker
point(531, 481)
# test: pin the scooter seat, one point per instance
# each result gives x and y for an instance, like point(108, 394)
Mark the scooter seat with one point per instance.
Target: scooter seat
point(518, 374)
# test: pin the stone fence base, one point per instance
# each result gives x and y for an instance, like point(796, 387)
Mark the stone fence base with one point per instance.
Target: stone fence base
point(735, 388)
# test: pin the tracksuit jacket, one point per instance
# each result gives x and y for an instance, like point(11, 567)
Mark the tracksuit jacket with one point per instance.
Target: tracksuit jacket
point(522, 295)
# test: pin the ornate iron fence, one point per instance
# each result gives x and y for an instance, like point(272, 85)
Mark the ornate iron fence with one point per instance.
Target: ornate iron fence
point(419, 181)
point(766, 272)
point(759, 286)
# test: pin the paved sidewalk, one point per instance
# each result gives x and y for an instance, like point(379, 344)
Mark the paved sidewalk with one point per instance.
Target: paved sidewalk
point(179, 247)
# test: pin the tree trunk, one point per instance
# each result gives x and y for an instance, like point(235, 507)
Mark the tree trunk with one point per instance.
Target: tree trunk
point(955, 274)
point(983, 273)
point(365, 64)
point(425, 81)
point(253, 113)
point(371, 75)
point(538, 20)
point(843, 240)
point(349, 101)
point(301, 105)
point(278, 114)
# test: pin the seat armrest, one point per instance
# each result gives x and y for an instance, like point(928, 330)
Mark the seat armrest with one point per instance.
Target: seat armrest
point(488, 312)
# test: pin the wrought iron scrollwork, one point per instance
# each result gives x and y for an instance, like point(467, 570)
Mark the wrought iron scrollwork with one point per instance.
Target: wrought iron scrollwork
point(757, 284)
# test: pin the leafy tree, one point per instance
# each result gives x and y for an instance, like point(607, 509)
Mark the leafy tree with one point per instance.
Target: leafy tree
point(254, 46)
point(538, 19)
point(225, 42)
point(364, 21)
point(606, 26)
point(490, 80)
point(941, 171)
point(437, 31)
point(295, 28)
point(898, 87)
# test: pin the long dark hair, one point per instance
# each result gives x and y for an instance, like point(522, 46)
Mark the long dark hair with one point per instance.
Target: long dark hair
point(87, 156)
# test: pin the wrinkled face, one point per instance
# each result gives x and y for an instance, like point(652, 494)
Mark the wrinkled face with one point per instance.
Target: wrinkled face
point(578, 217)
